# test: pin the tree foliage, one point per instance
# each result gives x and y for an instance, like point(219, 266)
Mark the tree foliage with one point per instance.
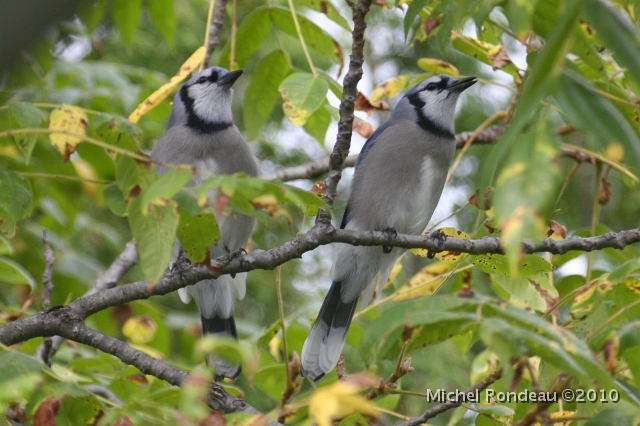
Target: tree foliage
point(550, 147)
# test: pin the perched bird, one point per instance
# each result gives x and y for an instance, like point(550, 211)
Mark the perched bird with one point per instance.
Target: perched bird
point(201, 133)
point(398, 180)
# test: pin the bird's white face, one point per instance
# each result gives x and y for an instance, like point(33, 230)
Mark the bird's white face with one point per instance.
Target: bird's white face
point(211, 95)
point(436, 98)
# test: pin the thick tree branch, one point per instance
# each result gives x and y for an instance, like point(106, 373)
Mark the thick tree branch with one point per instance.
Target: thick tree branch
point(350, 91)
point(441, 408)
point(35, 326)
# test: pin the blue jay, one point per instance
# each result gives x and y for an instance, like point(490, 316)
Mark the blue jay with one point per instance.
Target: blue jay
point(398, 180)
point(201, 133)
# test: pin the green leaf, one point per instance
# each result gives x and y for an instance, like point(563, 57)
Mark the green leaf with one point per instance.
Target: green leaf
point(267, 335)
point(591, 112)
point(197, 233)
point(78, 411)
point(535, 292)
point(302, 94)
point(163, 18)
point(160, 192)
point(119, 132)
point(612, 417)
point(114, 200)
point(154, 234)
point(126, 14)
point(314, 36)
point(629, 336)
point(617, 31)
point(92, 12)
point(5, 246)
point(26, 116)
point(12, 273)
point(271, 380)
point(16, 201)
point(250, 34)
point(524, 193)
point(484, 52)
point(415, 7)
point(486, 420)
point(318, 123)
point(327, 8)
point(530, 264)
point(262, 92)
point(132, 176)
point(544, 73)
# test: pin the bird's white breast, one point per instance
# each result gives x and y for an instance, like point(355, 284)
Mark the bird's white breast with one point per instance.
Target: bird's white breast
point(426, 196)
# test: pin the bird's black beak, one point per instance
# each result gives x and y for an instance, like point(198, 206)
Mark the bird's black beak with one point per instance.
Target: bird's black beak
point(462, 84)
point(230, 78)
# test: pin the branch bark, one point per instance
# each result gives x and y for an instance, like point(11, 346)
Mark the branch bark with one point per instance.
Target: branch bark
point(37, 325)
point(349, 93)
point(214, 30)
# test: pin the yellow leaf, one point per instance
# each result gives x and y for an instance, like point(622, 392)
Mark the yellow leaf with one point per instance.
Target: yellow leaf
point(389, 88)
point(394, 272)
point(86, 171)
point(420, 284)
point(437, 66)
point(560, 415)
point(67, 118)
point(274, 347)
point(139, 329)
point(340, 400)
point(165, 90)
point(614, 152)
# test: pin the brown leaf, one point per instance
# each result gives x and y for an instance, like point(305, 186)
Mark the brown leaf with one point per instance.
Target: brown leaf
point(556, 228)
point(45, 414)
point(363, 128)
point(610, 350)
point(431, 24)
point(474, 199)
point(318, 188)
point(222, 200)
point(499, 56)
point(605, 192)
point(120, 314)
point(380, 3)
point(214, 418)
point(363, 104)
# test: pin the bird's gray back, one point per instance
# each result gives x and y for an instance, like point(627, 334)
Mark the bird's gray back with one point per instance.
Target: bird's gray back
point(403, 152)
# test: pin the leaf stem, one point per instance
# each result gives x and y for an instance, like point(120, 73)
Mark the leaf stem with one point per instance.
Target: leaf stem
point(301, 37)
point(66, 177)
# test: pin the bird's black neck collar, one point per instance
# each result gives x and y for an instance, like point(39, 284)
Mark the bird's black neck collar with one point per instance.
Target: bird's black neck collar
point(426, 123)
point(197, 123)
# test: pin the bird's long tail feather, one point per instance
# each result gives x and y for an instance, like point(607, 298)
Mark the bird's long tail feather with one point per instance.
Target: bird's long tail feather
point(324, 344)
point(222, 327)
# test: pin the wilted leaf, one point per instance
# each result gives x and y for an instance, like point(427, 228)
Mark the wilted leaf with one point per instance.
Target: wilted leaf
point(499, 56)
point(363, 128)
point(140, 329)
point(438, 66)
point(71, 119)
point(390, 88)
point(165, 90)
point(340, 400)
point(556, 229)
point(363, 104)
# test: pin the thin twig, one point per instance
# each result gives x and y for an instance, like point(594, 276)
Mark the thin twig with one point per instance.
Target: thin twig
point(403, 367)
point(234, 28)
point(350, 91)
point(214, 29)
point(290, 385)
point(441, 408)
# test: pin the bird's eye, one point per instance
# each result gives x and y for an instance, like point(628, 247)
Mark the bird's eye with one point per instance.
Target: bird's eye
point(202, 80)
point(431, 86)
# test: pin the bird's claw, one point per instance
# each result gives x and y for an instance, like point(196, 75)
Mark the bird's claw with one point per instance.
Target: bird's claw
point(391, 234)
point(235, 254)
point(181, 263)
point(440, 237)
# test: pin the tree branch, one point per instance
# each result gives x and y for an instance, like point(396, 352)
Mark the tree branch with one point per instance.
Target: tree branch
point(110, 278)
point(214, 30)
point(350, 91)
point(441, 408)
point(37, 325)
